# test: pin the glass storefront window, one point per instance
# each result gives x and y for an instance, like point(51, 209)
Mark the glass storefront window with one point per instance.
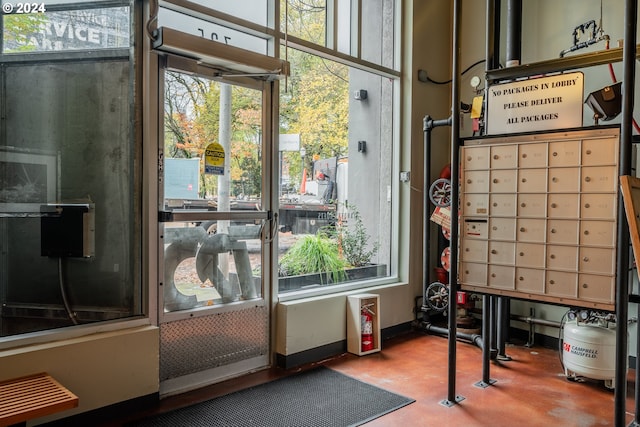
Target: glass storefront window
point(337, 152)
point(66, 30)
point(70, 188)
point(205, 268)
point(366, 30)
point(305, 19)
point(193, 110)
point(335, 204)
point(69, 217)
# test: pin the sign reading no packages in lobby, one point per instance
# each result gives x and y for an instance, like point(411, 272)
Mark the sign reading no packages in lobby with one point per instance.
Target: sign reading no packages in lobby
point(542, 103)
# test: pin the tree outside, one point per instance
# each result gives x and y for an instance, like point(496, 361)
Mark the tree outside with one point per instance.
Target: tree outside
point(192, 111)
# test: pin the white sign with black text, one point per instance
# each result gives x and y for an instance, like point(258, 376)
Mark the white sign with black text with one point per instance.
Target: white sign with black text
point(542, 103)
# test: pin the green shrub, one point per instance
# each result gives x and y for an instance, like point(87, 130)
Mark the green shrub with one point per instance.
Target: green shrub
point(354, 240)
point(313, 254)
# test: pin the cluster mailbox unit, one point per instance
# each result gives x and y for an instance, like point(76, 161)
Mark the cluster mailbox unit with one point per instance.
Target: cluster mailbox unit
point(538, 216)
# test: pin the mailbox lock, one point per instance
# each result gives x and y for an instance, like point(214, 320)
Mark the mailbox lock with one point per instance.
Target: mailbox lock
point(553, 205)
point(551, 282)
point(584, 285)
point(585, 259)
point(553, 231)
point(495, 180)
point(522, 205)
point(588, 151)
point(496, 157)
point(521, 253)
point(524, 179)
point(586, 232)
point(587, 205)
point(521, 278)
point(522, 229)
point(524, 155)
point(493, 251)
point(554, 179)
point(587, 179)
point(552, 256)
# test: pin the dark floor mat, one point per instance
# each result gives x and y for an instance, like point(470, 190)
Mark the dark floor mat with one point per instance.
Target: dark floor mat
point(319, 397)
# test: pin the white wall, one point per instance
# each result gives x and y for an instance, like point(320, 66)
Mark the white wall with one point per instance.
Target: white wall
point(101, 369)
point(313, 322)
point(543, 42)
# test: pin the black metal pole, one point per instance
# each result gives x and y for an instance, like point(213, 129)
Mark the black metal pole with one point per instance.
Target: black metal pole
point(514, 54)
point(493, 316)
point(455, 145)
point(503, 324)
point(622, 252)
point(495, 58)
point(514, 33)
point(427, 124)
point(492, 28)
point(492, 34)
point(486, 342)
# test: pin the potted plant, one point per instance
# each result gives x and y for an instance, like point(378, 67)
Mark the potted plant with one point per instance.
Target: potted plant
point(353, 239)
point(314, 254)
point(333, 255)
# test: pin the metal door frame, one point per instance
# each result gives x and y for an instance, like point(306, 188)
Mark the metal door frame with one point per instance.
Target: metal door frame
point(254, 310)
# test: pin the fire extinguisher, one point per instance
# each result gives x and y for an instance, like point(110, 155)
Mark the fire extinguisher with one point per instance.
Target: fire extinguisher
point(366, 323)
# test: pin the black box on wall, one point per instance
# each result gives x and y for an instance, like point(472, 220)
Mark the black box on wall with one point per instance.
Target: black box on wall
point(67, 230)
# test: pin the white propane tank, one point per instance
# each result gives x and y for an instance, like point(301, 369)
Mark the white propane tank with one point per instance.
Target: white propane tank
point(589, 350)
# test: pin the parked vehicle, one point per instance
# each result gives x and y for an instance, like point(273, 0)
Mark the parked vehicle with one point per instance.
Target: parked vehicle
point(302, 212)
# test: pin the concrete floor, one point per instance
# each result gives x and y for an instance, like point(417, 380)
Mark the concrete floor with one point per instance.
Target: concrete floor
point(530, 389)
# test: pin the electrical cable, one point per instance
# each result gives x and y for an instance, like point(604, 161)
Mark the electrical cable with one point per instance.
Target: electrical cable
point(65, 300)
point(466, 70)
point(153, 17)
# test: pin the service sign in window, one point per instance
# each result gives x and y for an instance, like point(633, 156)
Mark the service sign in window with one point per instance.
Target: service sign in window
point(34, 27)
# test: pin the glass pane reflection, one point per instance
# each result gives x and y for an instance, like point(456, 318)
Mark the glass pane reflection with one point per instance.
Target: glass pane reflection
point(206, 265)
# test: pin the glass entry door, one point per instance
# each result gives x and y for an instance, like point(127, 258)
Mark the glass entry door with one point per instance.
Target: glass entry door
point(213, 300)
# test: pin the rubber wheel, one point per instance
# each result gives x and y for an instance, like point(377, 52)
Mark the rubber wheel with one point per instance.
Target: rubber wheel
point(445, 259)
point(437, 296)
point(440, 192)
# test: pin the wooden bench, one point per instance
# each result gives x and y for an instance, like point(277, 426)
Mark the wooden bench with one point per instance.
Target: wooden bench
point(33, 396)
